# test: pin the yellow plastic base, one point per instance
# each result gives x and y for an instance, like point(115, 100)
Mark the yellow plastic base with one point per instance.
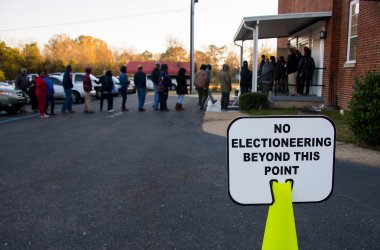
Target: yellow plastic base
point(280, 230)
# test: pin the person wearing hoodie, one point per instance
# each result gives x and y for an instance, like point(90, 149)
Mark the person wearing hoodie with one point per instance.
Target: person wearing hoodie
point(181, 88)
point(50, 96)
point(107, 87)
point(306, 69)
point(87, 87)
point(67, 83)
point(41, 93)
point(245, 78)
point(225, 85)
point(202, 84)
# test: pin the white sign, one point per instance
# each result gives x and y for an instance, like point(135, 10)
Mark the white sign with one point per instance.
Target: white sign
point(264, 149)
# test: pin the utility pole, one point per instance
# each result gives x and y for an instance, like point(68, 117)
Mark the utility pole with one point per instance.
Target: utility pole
point(192, 65)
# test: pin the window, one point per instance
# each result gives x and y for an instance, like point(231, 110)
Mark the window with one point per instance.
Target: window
point(353, 31)
point(78, 78)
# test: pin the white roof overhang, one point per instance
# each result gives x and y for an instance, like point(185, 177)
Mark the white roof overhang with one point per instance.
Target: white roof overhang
point(276, 26)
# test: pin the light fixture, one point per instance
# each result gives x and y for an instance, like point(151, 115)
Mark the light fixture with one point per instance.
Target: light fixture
point(322, 34)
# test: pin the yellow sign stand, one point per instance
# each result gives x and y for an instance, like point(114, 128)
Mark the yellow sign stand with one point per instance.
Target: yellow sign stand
point(280, 230)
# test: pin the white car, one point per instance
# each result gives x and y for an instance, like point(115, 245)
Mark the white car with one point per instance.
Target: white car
point(149, 83)
point(77, 91)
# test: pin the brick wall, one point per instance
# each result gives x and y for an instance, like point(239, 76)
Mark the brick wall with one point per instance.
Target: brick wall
point(368, 48)
point(339, 80)
point(299, 6)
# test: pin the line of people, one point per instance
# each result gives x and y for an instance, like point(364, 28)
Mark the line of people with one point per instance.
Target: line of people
point(294, 75)
point(41, 89)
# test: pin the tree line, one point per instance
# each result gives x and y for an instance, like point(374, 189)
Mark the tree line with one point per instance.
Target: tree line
point(84, 51)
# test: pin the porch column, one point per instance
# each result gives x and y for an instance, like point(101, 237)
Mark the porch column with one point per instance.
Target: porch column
point(321, 63)
point(255, 56)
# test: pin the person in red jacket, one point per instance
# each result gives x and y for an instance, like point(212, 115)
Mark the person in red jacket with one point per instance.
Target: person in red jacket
point(41, 93)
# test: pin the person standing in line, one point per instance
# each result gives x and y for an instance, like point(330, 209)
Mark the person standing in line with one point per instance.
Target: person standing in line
point(32, 94)
point(208, 70)
point(181, 88)
point(140, 83)
point(41, 93)
point(261, 64)
point(155, 76)
point(107, 87)
point(292, 71)
point(22, 83)
point(201, 83)
point(87, 87)
point(50, 96)
point(305, 71)
point(163, 87)
point(245, 78)
point(278, 74)
point(102, 96)
point(226, 87)
point(124, 86)
point(67, 86)
point(267, 76)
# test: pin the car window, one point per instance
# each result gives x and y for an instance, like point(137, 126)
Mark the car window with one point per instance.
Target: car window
point(55, 81)
point(78, 78)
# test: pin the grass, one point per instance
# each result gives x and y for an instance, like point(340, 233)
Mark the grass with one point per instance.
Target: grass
point(343, 132)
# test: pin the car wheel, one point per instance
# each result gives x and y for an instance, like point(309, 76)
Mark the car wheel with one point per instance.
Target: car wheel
point(12, 110)
point(75, 96)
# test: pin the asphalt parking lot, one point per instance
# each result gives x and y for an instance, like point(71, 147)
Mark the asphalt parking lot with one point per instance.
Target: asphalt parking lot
point(152, 180)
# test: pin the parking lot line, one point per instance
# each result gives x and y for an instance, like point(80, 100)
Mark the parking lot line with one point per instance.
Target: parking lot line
point(18, 118)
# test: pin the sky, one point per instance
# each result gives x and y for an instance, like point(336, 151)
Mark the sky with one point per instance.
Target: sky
point(139, 24)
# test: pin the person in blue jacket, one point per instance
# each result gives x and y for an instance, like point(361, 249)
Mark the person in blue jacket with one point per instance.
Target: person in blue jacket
point(50, 96)
point(67, 83)
point(140, 83)
point(124, 86)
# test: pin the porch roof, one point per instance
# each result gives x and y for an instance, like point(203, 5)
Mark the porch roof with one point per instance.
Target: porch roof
point(276, 26)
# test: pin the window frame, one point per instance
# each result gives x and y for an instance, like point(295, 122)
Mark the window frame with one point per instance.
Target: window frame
point(353, 2)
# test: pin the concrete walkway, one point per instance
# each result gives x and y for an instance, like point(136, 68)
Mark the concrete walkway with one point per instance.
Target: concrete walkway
point(216, 122)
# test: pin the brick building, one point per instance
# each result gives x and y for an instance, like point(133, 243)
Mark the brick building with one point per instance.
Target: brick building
point(344, 36)
point(352, 44)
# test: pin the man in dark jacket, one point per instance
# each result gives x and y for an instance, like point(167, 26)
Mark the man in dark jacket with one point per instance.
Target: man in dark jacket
point(22, 82)
point(140, 83)
point(305, 71)
point(67, 83)
point(155, 76)
point(245, 78)
point(292, 69)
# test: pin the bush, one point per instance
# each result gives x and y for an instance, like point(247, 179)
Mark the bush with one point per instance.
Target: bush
point(249, 101)
point(365, 109)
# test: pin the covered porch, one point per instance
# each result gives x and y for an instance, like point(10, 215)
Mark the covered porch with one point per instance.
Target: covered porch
point(301, 29)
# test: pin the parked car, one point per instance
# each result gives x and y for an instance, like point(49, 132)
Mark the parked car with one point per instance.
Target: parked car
point(77, 78)
point(77, 91)
point(11, 99)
